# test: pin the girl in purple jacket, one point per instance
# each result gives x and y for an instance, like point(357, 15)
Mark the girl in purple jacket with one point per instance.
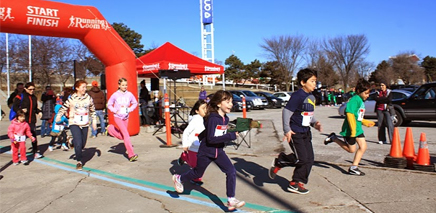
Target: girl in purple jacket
point(121, 103)
point(212, 144)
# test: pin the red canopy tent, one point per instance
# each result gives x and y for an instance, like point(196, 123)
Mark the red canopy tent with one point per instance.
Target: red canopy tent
point(170, 57)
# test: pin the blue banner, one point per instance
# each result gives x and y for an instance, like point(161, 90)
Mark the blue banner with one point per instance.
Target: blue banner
point(206, 11)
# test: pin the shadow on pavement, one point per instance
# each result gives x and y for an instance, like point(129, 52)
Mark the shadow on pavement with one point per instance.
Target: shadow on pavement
point(119, 149)
point(329, 165)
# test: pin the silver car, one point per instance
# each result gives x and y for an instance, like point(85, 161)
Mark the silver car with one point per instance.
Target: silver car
point(370, 103)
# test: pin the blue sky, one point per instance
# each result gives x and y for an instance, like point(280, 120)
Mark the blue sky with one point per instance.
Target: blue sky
point(391, 27)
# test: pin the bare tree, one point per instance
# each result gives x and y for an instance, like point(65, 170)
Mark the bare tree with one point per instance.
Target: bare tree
point(287, 51)
point(345, 52)
point(318, 60)
point(405, 66)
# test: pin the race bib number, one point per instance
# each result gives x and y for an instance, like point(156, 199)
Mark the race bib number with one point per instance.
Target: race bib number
point(81, 119)
point(307, 117)
point(20, 138)
point(360, 114)
point(220, 130)
point(59, 127)
point(124, 110)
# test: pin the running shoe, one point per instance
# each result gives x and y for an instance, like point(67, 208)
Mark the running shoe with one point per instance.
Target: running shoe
point(272, 173)
point(133, 158)
point(178, 186)
point(355, 171)
point(79, 166)
point(330, 138)
point(233, 203)
point(297, 187)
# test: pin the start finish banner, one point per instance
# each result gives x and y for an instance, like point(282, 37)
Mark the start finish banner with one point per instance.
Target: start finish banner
point(206, 11)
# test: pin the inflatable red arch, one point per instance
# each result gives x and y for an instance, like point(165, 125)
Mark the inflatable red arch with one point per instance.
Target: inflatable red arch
point(48, 18)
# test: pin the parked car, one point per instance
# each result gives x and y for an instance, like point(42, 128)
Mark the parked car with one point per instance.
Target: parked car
point(253, 98)
point(410, 88)
point(285, 96)
point(273, 102)
point(370, 104)
point(421, 105)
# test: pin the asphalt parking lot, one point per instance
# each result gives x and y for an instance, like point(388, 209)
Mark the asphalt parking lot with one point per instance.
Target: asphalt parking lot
point(110, 183)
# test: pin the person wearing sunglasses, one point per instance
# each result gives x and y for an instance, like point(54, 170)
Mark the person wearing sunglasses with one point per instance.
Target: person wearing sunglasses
point(29, 105)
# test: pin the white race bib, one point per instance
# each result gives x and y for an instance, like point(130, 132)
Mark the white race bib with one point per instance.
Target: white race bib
point(220, 130)
point(59, 127)
point(20, 138)
point(307, 117)
point(81, 119)
point(361, 113)
point(124, 110)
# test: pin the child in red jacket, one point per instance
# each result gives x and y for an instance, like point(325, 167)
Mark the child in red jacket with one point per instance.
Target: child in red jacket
point(17, 132)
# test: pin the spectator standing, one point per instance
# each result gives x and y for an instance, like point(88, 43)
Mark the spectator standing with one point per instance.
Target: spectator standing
point(121, 103)
point(81, 110)
point(382, 108)
point(29, 105)
point(99, 98)
point(48, 99)
point(203, 94)
point(18, 90)
point(144, 98)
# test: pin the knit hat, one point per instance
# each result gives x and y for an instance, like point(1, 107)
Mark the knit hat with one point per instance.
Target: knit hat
point(94, 83)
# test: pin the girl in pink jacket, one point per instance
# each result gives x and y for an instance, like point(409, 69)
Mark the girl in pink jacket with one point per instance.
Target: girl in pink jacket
point(121, 103)
point(17, 132)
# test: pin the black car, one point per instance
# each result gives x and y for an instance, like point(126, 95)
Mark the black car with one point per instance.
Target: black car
point(237, 103)
point(273, 102)
point(421, 105)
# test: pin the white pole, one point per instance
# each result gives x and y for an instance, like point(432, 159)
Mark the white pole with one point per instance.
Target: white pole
point(7, 64)
point(30, 58)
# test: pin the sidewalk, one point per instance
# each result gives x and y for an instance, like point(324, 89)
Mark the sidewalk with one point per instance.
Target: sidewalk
point(110, 183)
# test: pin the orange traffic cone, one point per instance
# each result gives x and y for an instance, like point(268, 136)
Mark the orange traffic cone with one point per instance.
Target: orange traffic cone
point(409, 148)
point(423, 153)
point(396, 145)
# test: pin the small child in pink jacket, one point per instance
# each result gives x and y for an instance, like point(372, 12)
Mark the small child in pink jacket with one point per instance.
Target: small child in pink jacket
point(17, 132)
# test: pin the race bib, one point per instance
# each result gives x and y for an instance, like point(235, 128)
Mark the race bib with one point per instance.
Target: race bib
point(124, 110)
point(360, 114)
point(81, 119)
point(20, 138)
point(307, 117)
point(59, 127)
point(220, 130)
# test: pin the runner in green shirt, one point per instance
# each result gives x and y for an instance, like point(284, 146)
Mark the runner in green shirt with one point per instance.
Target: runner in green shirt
point(352, 131)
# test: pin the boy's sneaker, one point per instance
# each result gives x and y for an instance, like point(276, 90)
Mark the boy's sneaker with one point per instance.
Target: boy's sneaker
point(297, 187)
point(233, 203)
point(178, 186)
point(180, 162)
point(16, 163)
point(25, 162)
point(197, 182)
point(38, 156)
point(79, 166)
point(133, 158)
point(272, 173)
point(64, 147)
point(355, 171)
point(50, 148)
point(330, 138)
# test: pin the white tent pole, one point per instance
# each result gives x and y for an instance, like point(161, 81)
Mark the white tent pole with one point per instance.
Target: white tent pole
point(7, 64)
point(30, 58)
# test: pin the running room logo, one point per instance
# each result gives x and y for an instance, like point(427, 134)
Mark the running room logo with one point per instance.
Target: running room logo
point(41, 16)
point(150, 67)
point(4, 16)
point(88, 23)
point(172, 66)
point(206, 68)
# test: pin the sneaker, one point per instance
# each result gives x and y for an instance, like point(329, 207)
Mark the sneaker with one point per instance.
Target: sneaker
point(180, 162)
point(25, 162)
point(64, 147)
point(38, 156)
point(79, 166)
point(133, 158)
point(197, 182)
point(380, 142)
point(297, 187)
point(106, 133)
point(50, 148)
point(273, 169)
point(16, 163)
point(177, 183)
point(93, 136)
point(233, 203)
point(355, 171)
point(330, 138)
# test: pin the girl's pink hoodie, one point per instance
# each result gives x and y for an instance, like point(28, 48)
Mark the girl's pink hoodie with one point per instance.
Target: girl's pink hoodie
point(19, 128)
point(122, 100)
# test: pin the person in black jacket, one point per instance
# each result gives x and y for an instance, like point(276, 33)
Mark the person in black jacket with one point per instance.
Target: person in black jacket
point(29, 105)
point(18, 90)
point(213, 140)
point(382, 108)
point(144, 98)
point(48, 99)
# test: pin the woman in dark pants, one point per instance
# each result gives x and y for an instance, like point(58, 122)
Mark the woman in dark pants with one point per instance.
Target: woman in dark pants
point(29, 104)
point(384, 100)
